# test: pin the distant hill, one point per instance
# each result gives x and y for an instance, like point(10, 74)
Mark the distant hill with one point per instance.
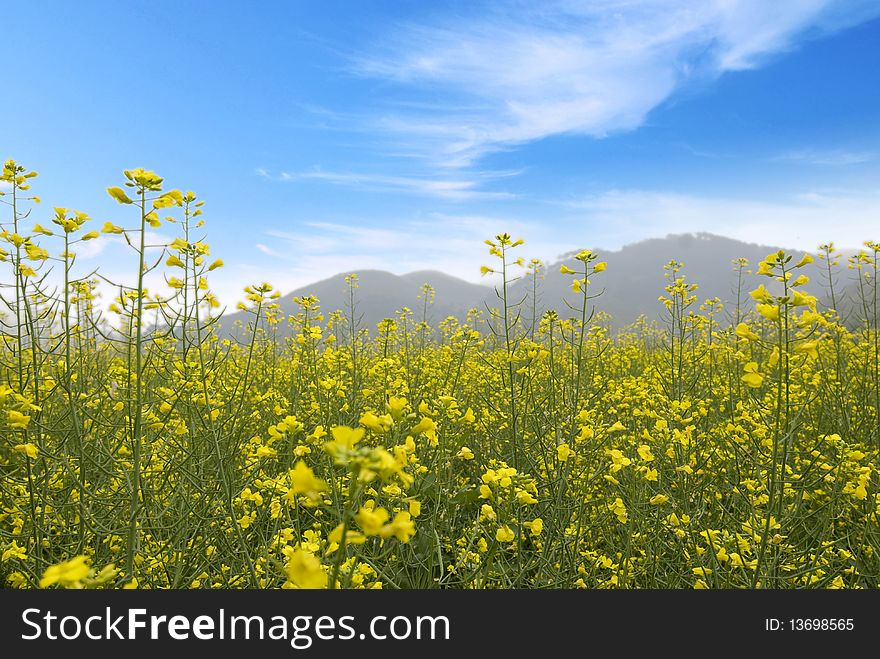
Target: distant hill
point(382, 294)
point(632, 282)
point(634, 278)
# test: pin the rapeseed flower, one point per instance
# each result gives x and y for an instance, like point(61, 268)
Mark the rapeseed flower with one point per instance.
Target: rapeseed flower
point(67, 574)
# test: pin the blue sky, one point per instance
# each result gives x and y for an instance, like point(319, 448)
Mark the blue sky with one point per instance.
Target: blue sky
point(329, 136)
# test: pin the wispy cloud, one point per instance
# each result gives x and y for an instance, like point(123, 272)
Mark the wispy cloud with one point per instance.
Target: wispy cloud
point(268, 251)
point(458, 189)
point(453, 243)
point(589, 67)
point(447, 242)
point(834, 158)
point(803, 221)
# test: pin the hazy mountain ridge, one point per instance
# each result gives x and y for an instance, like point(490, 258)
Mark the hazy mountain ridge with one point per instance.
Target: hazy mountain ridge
point(634, 278)
point(630, 286)
point(382, 294)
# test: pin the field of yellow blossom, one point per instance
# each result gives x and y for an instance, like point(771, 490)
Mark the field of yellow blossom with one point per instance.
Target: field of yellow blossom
point(140, 447)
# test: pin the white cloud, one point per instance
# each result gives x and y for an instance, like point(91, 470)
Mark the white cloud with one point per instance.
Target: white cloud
point(448, 188)
point(834, 158)
point(316, 250)
point(802, 221)
point(453, 243)
point(92, 248)
point(589, 67)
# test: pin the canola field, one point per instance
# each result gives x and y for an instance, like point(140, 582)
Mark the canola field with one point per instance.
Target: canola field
point(142, 447)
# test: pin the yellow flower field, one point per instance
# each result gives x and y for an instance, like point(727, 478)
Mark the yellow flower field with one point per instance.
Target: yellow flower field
point(142, 448)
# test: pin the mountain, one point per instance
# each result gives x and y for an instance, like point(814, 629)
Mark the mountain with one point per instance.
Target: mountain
point(382, 294)
point(630, 286)
point(634, 278)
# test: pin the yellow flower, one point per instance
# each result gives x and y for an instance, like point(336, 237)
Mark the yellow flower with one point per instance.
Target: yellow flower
point(563, 452)
point(395, 406)
point(371, 520)
point(744, 332)
point(304, 481)
point(119, 195)
point(837, 583)
point(536, 526)
point(305, 570)
point(16, 419)
point(504, 534)
point(28, 449)
point(68, 574)
point(804, 261)
point(761, 294)
point(424, 426)
point(401, 527)
point(35, 252)
point(769, 311)
point(351, 538)
point(799, 299)
point(658, 499)
point(487, 513)
point(564, 269)
point(264, 451)
point(465, 453)
point(109, 227)
point(618, 459)
point(600, 267)
point(344, 440)
point(752, 377)
point(14, 551)
point(619, 510)
point(380, 424)
point(810, 348)
point(765, 268)
point(525, 498)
